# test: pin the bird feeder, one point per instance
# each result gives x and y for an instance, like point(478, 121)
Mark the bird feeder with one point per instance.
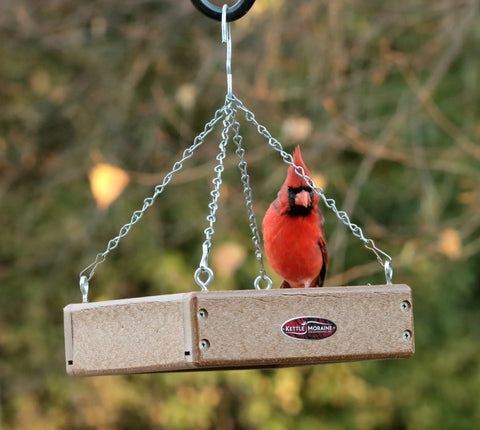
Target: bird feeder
point(243, 329)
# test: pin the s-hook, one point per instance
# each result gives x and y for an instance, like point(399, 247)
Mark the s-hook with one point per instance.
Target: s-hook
point(233, 13)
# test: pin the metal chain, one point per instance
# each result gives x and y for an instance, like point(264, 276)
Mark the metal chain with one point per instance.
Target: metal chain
point(383, 258)
point(247, 192)
point(229, 122)
point(87, 273)
point(228, 112)
point(213, 205)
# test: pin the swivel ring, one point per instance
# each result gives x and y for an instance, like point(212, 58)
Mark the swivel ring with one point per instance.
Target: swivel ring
point(233, 13)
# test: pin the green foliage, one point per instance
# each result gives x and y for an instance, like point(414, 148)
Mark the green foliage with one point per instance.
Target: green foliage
point(384, 99)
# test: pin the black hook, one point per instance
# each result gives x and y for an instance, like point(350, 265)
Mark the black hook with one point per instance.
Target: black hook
point(233, 13)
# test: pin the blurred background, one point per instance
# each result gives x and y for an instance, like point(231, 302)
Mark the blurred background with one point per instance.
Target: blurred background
point(99, 99)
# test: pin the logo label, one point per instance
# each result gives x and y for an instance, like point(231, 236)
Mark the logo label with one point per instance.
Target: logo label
point(308, 328)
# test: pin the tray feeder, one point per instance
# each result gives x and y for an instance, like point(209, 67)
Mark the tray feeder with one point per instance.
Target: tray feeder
point(255, 328)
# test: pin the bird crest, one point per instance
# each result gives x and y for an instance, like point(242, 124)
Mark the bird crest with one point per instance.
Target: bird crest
point(293, 179)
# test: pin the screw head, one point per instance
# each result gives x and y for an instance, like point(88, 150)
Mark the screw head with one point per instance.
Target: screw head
point(405, 306)
point(204, 344)
point(202, 314)
point(407, 335)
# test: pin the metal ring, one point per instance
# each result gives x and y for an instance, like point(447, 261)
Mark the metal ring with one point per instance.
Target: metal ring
point(262, 278)
point(203, 284)
point(233, 13)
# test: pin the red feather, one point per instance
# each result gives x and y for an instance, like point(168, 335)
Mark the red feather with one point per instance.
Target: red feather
point(294, 238)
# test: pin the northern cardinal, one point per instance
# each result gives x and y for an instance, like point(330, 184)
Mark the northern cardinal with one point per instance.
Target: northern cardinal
point(294, 239)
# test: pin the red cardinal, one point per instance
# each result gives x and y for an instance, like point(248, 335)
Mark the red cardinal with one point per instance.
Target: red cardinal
point(293, 233)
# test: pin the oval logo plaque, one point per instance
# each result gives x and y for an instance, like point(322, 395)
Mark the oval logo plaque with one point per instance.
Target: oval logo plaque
point(308, 328)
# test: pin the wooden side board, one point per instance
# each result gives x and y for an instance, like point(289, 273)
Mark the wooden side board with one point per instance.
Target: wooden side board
point(239, 329)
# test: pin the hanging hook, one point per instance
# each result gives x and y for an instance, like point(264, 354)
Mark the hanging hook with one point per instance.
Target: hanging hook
point(233, 13)
point(227, 38)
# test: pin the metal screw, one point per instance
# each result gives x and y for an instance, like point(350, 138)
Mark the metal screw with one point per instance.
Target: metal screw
point(407, 335)
point(204, 344)
point(202, 314)
point(405, 306)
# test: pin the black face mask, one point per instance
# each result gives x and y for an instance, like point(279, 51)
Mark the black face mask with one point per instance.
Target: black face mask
point(299, 210)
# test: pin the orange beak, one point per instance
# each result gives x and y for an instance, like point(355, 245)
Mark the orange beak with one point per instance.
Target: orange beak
point(302, 198)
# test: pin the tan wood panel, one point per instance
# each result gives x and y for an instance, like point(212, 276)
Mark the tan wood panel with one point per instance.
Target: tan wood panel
point(238, 329)
point(125, 336)
point(370, 323)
